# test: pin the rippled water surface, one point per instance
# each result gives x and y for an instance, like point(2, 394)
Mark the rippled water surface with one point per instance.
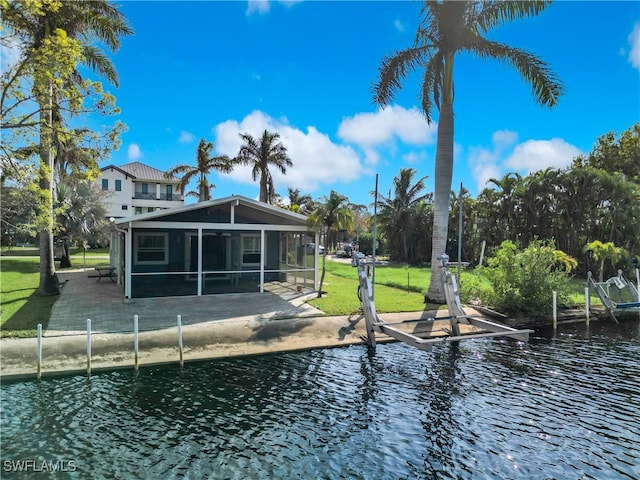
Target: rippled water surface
point(558, 407)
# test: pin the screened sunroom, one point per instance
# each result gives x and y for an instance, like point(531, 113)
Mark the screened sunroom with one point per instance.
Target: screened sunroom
point(230, 245)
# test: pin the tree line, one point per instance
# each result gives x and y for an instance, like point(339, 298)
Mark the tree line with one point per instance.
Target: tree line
point(596, 198)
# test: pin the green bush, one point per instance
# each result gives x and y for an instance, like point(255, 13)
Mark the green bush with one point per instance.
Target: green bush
point(523, 281)
point(474, 287)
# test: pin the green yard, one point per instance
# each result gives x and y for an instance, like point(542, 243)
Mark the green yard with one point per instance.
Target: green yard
point(22, 308)
point(397, 289)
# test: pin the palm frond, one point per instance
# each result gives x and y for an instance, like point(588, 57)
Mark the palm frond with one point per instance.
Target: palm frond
point(395, 69)
point(97, 61)
point(546, 87)
point(492, 14)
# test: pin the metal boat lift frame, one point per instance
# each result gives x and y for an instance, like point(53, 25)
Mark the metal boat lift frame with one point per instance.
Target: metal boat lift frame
point(603, 289)
point(456, 317)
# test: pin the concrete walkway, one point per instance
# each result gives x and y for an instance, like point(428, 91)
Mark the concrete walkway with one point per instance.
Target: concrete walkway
point(216, 326)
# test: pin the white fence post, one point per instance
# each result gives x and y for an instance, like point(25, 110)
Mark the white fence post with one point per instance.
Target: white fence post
point(587, 303)
point(88, 346)
point(39, 371)
point(180, 340)
point(555, 309)
point(135, 339)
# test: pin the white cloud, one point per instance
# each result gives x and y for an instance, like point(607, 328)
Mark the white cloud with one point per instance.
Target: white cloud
point(316, 159)
point(186, 137)
point(534, 155)
point(134, 152)
point(505, 156)
point(634, 41)
point(262, 7)
point(503, 139)
point(385, 125)
point(415, 158)
point(484, 165)
point(399, 26)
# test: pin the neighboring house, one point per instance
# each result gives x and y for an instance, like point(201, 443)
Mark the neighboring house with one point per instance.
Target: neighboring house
point(227, 245)
point(136, 188)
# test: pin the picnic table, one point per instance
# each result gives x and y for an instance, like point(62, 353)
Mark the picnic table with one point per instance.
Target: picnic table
point(103, 272)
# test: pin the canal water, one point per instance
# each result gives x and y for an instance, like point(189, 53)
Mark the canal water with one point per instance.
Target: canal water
point(563, 406)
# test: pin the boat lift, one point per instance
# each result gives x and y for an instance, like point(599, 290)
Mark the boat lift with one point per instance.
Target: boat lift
point(625, 291)
point(461, 325)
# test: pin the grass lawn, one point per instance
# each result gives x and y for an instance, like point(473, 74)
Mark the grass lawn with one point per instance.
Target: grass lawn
point(397, 289)
point(22, 308)
point(341, 285)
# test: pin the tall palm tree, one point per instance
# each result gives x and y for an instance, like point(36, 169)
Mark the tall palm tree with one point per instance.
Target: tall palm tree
point(55, 39)
point(332, 213)
point(205, 164)
point(449, 28)
point(397, 212)
point(260, 153)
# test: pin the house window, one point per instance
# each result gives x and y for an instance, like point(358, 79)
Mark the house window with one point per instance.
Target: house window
point(169, 192)
point(150, 209)
point(151, 248)
point(118, 185)
point(145, 188)
point(138, 210)
point(125, 207)
point(105, 184)
point(251, 250)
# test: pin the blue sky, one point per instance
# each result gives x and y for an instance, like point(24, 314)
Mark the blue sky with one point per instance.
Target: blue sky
point(305, 69)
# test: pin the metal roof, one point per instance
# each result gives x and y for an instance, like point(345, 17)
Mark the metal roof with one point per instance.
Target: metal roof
point(140, 171)
point(237, 199)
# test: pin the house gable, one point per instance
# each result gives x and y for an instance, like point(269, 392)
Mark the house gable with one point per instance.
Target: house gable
point(234, 209)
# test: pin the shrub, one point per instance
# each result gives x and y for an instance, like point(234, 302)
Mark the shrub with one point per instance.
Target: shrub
point(523, 281)
point(473, 287)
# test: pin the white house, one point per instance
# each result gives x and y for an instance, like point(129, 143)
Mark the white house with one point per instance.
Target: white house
point(136, 188)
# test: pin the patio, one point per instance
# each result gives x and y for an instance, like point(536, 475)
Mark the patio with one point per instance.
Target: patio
point(103, 302)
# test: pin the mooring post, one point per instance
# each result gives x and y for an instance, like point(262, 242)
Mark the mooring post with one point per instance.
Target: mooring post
point(180, 340)
point(587, 302)
point(39, 368)
point(555, 309)
point(135, 340)
point(88, 346)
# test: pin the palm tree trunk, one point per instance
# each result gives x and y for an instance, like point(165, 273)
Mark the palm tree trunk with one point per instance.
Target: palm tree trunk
point(65, 258)
point(48, 278)
point(442, 190)
point(324, 265)
point(263, 188)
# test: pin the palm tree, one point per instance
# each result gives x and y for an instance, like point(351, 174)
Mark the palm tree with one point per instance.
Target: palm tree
point(205, 164)
point(300, 203)
point(507, 186)
point(397, 213)
point(80, 213)
point(603, 251)
point(449, 28)
point(260, 153)
point(331, 214)
point(55, 39)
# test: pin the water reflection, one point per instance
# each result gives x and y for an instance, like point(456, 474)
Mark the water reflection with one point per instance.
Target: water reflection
point(563, 405)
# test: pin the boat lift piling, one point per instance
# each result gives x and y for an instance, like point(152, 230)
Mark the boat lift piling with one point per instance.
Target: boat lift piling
point(475, 327)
